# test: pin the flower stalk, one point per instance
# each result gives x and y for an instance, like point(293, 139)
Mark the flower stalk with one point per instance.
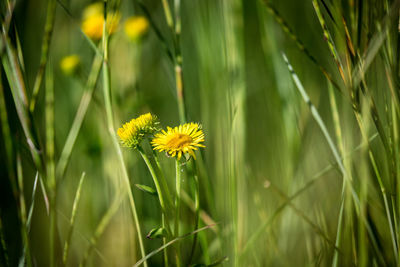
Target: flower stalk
point(163, 203)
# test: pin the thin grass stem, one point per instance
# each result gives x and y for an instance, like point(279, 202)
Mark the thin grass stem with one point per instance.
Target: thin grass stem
point(17, 84)
point(72, 220)
point(257, 233)
point(26, 254)
point(329, 39)
point(31, 207)
point(51, 10)
point(50, 165)
point(197, 210)
point(79, 117)
point(285, 26)
point(321, 124)
point(110, 125)
point(339, 138)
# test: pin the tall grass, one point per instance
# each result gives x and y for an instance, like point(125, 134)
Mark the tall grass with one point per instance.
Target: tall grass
point(301, 164)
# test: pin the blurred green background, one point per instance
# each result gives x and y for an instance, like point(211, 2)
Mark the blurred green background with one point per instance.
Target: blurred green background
point(262, 143)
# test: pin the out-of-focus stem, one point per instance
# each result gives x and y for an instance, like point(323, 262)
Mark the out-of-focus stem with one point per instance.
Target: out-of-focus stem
point(50, 166)
point(197, 209)
point(177, 209)
point(51, 8)
point(110, 124)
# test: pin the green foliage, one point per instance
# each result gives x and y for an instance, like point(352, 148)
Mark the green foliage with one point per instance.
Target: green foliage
point(302, 160)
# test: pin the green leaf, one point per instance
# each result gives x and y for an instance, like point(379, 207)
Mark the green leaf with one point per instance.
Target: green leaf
point(157, 233)
point(147, 189)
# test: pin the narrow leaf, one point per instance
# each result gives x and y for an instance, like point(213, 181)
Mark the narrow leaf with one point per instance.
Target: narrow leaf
point(146, 189)
point(157, 233)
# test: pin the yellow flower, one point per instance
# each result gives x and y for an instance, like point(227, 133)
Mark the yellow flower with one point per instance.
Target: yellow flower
point(93, 19)
point(136, 27)
point(179, 140)
point(69, 64)
point(133, 132)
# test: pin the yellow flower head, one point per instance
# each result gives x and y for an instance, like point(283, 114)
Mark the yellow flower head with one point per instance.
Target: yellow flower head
point(135, 27)
point(69, 64)
point(93, 19)
point(179, 140)
point(133, 132)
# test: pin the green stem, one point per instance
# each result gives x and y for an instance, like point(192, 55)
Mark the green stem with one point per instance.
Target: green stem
point(79, 117)
point(72, 220)
point(22, 214)
point(176, 32)
point(177, 209)
point(164, 224)
point(164, 184)
point(178, 63)
point(14, 76)
point(156, 181)
point(110, 123)
point(51, 8)
point(179, 92)
point(50, 165)
point(168, 14)
point(197, 209)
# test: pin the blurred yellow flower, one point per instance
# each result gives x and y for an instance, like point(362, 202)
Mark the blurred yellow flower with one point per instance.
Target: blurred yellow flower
point(93, 19)
point(179, 140)
point(69, 64)
point(133, 132)
point(135, 27)
point(93, 9)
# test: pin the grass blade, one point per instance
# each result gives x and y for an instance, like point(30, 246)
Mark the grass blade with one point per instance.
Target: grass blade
point(257, 233)
point(79, 116)
point(26, 253)
point(30, 213)
point(329, 40)
point(72, 220)
point(279, 19)
point(17, 84)
point(50, 164)
point(374, 45)
point(44, 193)
point(321, 124)
point(112, 132)
point(51, 10)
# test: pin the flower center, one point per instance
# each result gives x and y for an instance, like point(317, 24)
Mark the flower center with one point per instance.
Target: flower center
point(179, 141)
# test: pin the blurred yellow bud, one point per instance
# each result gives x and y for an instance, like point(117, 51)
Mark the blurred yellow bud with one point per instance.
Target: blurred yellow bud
point(135, 27)
point(69, 64)
point(93, 19)
point(92, 10)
